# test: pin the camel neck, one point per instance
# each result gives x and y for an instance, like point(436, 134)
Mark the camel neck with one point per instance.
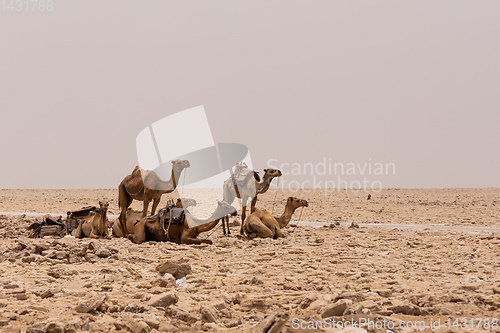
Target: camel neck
point(102, 223)
point(286, 217)
point(216, 216)
point(264, 186)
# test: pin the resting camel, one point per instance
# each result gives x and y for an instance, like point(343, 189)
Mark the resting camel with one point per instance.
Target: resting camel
point(133, 216)
point(246, 192)
point(144, 185)
point(151, 228)
point(94, 225)
point(262, 224)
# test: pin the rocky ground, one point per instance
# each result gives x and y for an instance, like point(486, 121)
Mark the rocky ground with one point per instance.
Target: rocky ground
point(311, 277)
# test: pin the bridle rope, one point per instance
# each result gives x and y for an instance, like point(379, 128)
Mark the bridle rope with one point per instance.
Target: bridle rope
point(276, 194)
point(300, 216)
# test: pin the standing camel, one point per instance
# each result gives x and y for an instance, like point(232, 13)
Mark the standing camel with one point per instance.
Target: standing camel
point(248, 191)
point(146, 186)
point(262, 224)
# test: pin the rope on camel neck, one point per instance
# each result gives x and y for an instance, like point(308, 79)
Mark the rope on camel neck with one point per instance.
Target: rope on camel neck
point(300, 216)
point(275, 195)
point(215, 229)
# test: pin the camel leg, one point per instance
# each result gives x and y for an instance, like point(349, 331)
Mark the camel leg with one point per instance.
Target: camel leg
point(145, 205)
point(278, 233)
point(155, 204)
point(243, 213)
point(190, 240)
point(224, 225)
point(225, 222)
point(139, 235)
point(259, 230)
point(92, 233)
point(78, 233)
point(123, 206)
point(252, 206)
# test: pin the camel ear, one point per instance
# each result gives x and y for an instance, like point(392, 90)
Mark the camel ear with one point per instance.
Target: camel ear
point(265, 170)
point(100, 203)
point(290, 198)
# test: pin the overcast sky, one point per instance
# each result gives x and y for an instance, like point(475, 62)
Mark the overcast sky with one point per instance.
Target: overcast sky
point(415, 84)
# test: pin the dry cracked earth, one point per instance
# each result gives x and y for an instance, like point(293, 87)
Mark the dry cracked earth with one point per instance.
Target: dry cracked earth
point(311, 277)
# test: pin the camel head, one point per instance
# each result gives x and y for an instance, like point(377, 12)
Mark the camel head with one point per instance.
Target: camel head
point(185, 202)
point(296, 203)
point(226, 208)
point(271, 173)
point(103, 206)
point(180, 165)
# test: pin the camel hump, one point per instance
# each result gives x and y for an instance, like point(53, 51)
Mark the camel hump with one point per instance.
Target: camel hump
point(136, 171)
point(242, 175)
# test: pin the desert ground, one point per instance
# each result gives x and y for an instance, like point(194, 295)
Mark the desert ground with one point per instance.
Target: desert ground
point(392, 267)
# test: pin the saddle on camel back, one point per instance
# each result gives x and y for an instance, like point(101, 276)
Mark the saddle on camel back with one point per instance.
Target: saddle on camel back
point(173, 215)
point(241, 175)
point(169, 214)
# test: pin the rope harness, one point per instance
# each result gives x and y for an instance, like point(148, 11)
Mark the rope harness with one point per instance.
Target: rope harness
point(275, 195)
point(300, 216)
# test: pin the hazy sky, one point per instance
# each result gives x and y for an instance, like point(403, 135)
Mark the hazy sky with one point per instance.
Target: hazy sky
point(415, 84)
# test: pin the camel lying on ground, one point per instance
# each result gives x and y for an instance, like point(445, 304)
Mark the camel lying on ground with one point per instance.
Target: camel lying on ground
point(262, 224)
point(248, 191)
point(94, 225)
point(146, 186)
point(133, 216)
point(153, 229)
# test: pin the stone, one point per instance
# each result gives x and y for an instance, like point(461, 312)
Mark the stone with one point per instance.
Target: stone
point(4, 321)
point(102, 252)
point(36, 328)
point(337, 309)
point(152, 322)
point(163, 300)
point(176, 269)
point(47, 293)
point(208, 314)
point(90, 305)
point(138, 326)
point(166, 281)
point(29, 259)
point(252, 303)
point(407, 309)
point(54, 327)
point(181, 314)
point(306, 301)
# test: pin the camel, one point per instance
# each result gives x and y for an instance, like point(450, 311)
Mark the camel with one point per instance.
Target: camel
point(249, 190)
point(152, 229)
point(133, 216)
point(262, 224)
point(146, 186)
point(94, 225)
